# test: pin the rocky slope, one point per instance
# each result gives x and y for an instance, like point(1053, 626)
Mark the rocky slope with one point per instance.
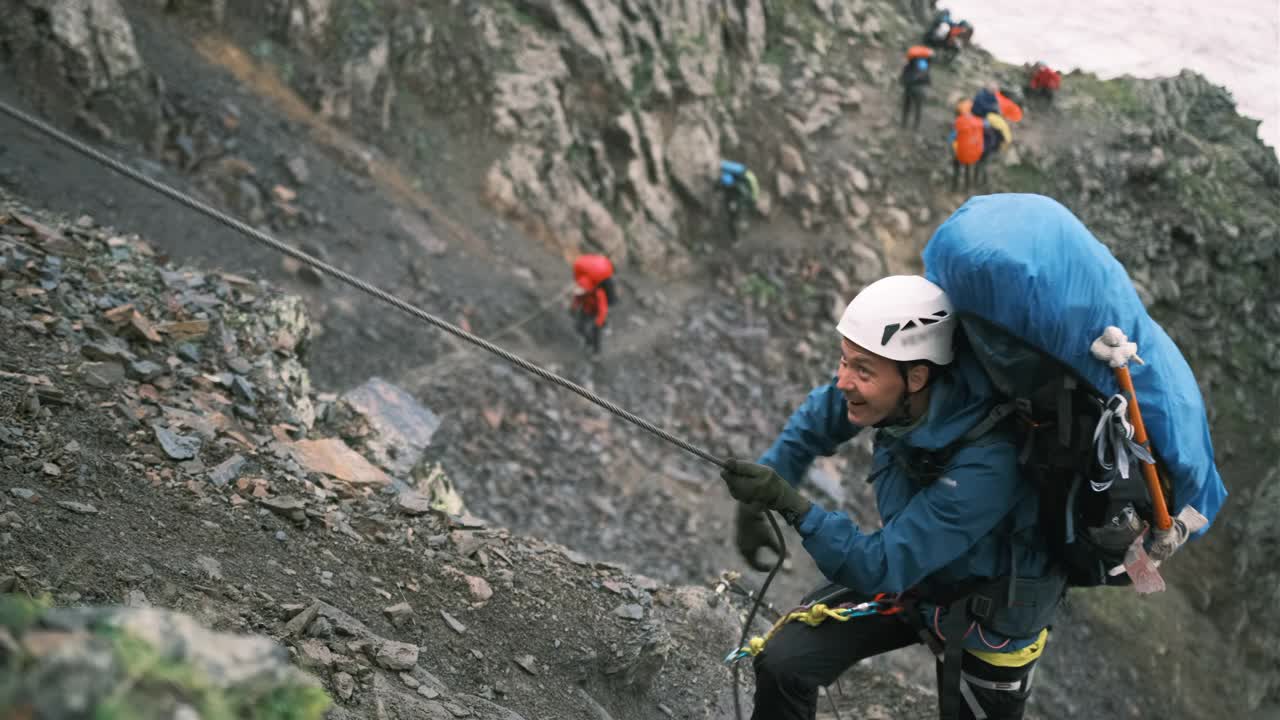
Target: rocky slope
point(390, 135)
point(163, 446)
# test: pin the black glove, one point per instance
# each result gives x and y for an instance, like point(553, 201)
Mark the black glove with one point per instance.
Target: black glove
point(761, 485)
point(752, 533)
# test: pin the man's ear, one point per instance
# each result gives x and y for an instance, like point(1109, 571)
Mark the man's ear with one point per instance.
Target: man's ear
point(917, 377)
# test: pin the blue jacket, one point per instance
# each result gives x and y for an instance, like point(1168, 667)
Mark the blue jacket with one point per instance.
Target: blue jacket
point(985, 102)
point(962, 526)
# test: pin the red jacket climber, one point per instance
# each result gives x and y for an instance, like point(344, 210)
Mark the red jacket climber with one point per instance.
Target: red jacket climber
point(594, 277)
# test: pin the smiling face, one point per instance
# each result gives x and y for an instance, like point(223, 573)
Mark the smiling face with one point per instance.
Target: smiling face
point(872, 384)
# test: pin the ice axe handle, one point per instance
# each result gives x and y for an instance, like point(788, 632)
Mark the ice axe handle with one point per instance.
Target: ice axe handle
point(1161, 511)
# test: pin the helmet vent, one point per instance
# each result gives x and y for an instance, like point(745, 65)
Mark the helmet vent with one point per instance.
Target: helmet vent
point(889, 332)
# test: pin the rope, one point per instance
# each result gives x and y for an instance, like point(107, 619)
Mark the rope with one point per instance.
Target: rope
point(342, 276)
point(813, 616)
point(454, 358)
point(353, 281)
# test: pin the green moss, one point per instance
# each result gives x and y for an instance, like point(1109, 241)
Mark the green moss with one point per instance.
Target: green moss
point(642, 75)
point(17, 613)
point(1025, 177)
point(776, 54)
point(149, 675)
point(1118, 94)
point(760, 290)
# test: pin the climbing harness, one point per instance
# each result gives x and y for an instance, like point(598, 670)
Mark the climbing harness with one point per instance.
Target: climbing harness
point(813, 616)
point(379, 294)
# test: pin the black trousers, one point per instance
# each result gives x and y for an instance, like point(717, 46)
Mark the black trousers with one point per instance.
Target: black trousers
point(800, 659)
point(912, 105)
point(589, 331)
point(957, 170)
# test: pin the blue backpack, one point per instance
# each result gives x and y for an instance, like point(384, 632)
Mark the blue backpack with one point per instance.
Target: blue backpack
point(1032, 289)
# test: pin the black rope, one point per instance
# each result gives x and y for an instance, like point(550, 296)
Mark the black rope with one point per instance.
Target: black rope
point(378, 293)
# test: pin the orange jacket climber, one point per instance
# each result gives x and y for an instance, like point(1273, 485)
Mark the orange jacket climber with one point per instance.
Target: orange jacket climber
point(593, 274)
point(968, 135)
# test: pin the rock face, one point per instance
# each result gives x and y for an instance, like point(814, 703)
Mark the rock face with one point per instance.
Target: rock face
point(1257, 572)
point(85, 662)
point(76, 62)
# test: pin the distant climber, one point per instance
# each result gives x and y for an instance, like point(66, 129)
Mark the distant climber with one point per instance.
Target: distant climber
point(997, 135)
point(948, 35)
point(1043, 82)
point(740, 189)
point(939, 30)
point(915, 82)
point(966, 145)
point(595, 291)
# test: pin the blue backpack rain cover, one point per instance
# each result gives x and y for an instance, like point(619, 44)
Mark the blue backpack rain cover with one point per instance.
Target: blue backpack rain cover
point(1027, 265)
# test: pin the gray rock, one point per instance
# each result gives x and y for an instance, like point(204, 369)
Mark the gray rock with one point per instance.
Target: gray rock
point(413, 503)
point(629, 612)
point(78, 507)
point(286, 506)
point(298, 170)
point(399, 613)
point(527, 663)
point(102, 374)
point(144, 370)
point(344, 684)
point(394, 655)
point(209, 566)
point(227, 470)
point(177, 447)
point(402, 427)
point(453, 622)
point(243, 389)
point(298, 623)
point(110, 348)
point(187, 351)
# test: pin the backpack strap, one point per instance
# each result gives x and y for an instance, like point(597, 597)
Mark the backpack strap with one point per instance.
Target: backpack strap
point(989, 423)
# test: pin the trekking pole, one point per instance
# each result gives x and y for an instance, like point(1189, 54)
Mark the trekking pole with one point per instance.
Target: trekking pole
point(1116, 350)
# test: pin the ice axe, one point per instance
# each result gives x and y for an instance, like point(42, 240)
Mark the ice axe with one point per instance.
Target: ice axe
point(1113, 348)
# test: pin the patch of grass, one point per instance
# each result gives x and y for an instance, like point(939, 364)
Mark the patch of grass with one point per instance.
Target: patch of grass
point(1117, 94)
point(642, 75)
point(776, 54)
point(760, 290)
point(724, 82)
point(1025, 178)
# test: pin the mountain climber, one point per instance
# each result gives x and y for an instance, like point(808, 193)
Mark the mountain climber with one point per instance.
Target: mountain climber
point(1043, 82)
point(594, 292)
point(901, 374)
point(740, 189)
point(939, 30)
point(996, 133)
point(958, 38)
point(966, 145)
point(915, 82)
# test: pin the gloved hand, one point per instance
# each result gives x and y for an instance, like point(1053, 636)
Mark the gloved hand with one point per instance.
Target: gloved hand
point(752, 533)
point(762, 485)
point(1165, 542)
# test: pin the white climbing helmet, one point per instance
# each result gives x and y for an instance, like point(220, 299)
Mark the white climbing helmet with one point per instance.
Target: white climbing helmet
point(903, 318)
